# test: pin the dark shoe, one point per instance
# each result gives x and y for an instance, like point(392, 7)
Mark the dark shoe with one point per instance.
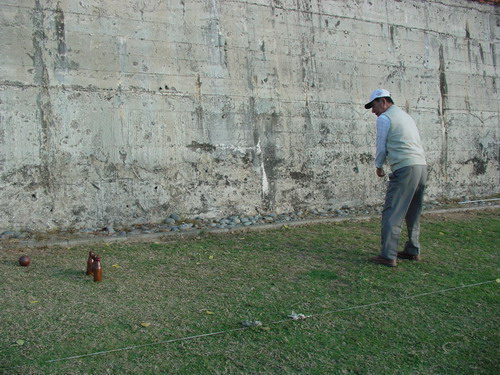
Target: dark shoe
point(403, 255)
point(384, 261)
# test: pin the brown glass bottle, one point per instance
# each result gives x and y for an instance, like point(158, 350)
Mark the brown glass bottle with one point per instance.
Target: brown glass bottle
point(97, 269)
point(90, 263)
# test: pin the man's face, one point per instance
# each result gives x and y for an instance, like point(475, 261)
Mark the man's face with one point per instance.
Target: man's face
point(379, 106)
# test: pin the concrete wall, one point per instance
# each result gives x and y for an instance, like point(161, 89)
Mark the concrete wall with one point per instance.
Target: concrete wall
point(124, 111)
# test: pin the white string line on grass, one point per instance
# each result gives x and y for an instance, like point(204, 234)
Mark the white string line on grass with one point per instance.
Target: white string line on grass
point(188, 338)
point(387, 302)
point(276, 322)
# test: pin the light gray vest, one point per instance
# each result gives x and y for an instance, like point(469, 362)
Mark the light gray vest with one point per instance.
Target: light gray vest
point(404, 147)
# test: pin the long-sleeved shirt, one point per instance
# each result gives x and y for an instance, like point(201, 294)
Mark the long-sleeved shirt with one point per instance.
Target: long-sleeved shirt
point(383, 125)
point(398, 140)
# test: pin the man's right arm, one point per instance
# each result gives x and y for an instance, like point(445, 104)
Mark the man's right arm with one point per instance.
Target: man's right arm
point(383, 125)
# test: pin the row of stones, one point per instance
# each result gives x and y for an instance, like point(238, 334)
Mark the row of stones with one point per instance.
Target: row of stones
point(175, 223)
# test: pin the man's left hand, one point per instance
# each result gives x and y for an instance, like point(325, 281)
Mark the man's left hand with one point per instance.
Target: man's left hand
point(380, 172)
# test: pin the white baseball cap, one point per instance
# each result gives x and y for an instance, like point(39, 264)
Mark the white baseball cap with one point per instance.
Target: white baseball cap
point(378, 93)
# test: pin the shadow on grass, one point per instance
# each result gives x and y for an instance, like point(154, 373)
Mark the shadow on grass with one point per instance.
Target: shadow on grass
point(322, 274)
point(70, 274)
point(11, 263)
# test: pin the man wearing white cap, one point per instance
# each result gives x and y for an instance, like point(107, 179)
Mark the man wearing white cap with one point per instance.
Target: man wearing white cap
point(398, 143)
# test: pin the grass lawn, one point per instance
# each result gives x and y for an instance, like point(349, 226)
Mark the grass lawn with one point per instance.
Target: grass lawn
point(158, 300)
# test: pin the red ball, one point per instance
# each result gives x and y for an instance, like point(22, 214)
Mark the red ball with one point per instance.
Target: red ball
point(24, 261)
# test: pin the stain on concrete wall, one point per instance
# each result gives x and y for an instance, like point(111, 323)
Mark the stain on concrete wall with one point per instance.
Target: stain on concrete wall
point(122, 113)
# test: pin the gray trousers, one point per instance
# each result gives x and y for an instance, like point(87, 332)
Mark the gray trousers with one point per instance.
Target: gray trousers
point(403, 201)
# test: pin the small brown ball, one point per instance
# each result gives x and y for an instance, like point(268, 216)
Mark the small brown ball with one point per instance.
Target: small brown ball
point(24, 261)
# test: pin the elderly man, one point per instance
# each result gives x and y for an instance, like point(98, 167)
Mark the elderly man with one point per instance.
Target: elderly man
point(398, 143)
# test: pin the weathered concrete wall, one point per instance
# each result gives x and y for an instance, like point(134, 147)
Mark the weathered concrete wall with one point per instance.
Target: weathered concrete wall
point(123, 111)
